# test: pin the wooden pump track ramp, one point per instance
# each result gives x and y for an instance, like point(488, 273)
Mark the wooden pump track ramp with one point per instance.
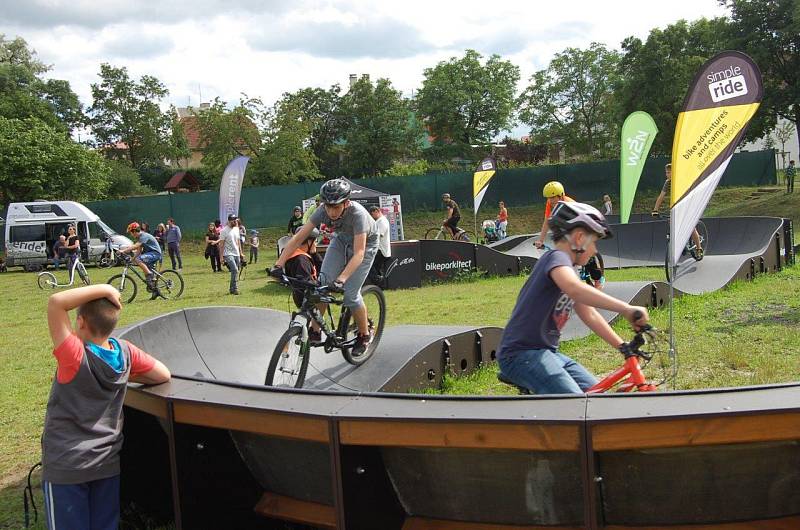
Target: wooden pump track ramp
point(353, 448)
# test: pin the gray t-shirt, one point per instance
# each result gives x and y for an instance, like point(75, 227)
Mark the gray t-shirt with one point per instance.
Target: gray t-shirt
point(542, 309)
point(355, 220)
point(231, 238)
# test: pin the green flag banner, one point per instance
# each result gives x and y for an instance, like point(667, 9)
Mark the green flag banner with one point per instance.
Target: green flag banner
point(638, 133)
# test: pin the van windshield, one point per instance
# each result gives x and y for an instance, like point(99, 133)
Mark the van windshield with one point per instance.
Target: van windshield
point(105, 228)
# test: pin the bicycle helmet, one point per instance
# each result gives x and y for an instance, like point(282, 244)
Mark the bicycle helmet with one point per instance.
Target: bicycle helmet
point(553, 189)
point(569, 215)
point(314, 234)
point(133, 226)
point(445, 196)
point(297, 209)
point(335, 191)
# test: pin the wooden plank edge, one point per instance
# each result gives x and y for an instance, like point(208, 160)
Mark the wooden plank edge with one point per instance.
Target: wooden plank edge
point(781, 523)
point(425, 523)
point(296, 511)
point(146, 402)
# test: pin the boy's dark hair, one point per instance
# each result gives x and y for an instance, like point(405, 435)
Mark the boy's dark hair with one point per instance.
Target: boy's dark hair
point(100, 315)
point(374, 208)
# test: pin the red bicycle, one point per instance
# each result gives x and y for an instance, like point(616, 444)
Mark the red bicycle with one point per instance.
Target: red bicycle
point(646, 344)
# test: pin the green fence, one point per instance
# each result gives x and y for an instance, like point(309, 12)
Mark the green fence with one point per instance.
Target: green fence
point(272, 205)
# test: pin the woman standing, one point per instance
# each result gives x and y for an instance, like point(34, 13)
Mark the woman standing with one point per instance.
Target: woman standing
point(211, 248)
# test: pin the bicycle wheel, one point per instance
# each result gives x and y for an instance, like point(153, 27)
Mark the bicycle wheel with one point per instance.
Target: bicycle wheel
point(434, 233)
point(169, 283)
point(466, 235)
point(126, 286)
point(84, 276)
point(46, 281)
point(289, 361)
point(375, 303)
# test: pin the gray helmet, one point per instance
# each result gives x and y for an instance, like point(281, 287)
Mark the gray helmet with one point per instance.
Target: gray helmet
point(314, 234)
point(335, 191)
point(569, 215)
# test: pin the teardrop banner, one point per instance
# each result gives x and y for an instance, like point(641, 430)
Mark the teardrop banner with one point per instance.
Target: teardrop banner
point(638, 133)
point(230, 187)
point(723, 98)
point(480, 180)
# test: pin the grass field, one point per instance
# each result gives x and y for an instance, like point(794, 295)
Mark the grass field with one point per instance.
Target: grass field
point(746, 334)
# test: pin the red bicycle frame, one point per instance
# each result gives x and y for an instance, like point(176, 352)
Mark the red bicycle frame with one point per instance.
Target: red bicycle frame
point(635, 381)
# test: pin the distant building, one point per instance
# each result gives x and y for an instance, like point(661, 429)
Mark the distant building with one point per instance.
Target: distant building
point(790, 151)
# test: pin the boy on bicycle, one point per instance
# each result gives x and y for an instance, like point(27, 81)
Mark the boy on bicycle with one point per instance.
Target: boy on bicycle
point(149, 252)
point(554, 193)
point(528, 355)
point(453, 215)
point(304, 264)
point(661, 196)
point(350, 254)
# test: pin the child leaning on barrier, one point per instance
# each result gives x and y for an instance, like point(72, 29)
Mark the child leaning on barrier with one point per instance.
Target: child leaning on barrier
point(529, 353)
point(83, 425)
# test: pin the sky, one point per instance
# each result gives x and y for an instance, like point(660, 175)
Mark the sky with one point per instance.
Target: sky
point(223, 48)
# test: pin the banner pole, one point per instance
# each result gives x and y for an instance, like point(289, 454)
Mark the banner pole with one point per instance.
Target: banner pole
point(673, 355)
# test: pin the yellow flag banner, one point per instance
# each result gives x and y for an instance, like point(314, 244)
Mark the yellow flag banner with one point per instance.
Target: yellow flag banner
point(480, 180)
point(721, 101)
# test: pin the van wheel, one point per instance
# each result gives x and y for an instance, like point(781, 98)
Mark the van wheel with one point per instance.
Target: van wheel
point(32, 268)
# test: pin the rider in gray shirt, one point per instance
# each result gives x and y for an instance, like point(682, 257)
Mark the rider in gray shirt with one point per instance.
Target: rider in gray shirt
point(349, 257)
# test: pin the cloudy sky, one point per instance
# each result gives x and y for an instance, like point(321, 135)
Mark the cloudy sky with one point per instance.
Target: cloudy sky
point(264, 48)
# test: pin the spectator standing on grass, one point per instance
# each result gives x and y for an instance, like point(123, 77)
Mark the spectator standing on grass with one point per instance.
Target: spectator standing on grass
point(212, 252)
point(502, 221)
point(608, 208)
point(82, 435)
point(161, 230)
point(790, 172)
point(254, 244)
point(73, 245)
point(59, 250)
point(384, 244)
point(295, 221)
point(231, 250)
point(173, 238)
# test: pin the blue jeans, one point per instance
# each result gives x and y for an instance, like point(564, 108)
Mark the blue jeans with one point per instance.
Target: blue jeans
point(91, 505)
point(546, 372)
point(233, 265)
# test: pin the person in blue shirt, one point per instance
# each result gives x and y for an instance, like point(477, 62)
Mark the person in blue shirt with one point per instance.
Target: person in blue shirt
point(149, 252)
point(529, 353)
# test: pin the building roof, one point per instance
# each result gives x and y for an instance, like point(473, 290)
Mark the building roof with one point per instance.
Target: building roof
point(183, 177)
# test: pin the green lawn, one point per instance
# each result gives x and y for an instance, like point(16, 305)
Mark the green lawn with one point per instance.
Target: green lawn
point(747, 334)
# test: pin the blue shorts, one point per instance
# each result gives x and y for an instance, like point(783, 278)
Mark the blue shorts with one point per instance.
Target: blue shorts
point(92, 504)
point(148, 258)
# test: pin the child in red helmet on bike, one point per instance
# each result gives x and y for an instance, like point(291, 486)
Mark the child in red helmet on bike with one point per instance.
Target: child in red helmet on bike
point(528, 355)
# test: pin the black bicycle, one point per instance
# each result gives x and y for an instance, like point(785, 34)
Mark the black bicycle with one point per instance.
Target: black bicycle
point(690, 254)
point(166, 284)
point(289, 362)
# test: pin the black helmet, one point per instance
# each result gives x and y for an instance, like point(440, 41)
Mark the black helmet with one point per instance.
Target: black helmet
point(335, 191)
point(569, 215)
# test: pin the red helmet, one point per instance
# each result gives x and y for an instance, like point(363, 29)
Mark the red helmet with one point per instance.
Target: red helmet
point(134, 226)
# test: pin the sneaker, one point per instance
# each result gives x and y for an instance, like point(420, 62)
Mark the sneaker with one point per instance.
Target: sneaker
point(362, 342)
point(698, 254)
point(315, 337)
point(235, 292)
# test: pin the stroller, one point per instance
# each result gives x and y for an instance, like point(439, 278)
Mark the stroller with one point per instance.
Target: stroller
point(490, 234)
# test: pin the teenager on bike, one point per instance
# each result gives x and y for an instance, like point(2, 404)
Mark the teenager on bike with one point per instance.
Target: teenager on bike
point(349, 257)
point(453, 215)
point(149, 251)
point(553, 192)
point(528, 355)
point(665, 189)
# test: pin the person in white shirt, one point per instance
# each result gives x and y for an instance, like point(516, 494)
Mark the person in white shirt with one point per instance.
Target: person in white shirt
point(608, 207)
point(384, 245)
point(232, 250)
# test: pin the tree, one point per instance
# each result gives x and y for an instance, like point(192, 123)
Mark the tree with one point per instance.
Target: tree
point(570, 102)
point(769, 31)
point(126, 117)
point(320, 108)
point(124, 181)
point(466, 102)
point(654, 76)
point(286, 155)
point(378, 127)
point(24, 94)
point(783, 132)
point(38, 161)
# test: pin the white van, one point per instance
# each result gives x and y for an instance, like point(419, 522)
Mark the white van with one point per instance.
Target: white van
point(31, 229)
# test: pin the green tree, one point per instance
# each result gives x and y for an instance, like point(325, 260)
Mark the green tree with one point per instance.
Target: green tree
point(227, 133)
point(466, 102)
point(38, 161)
point(571, 102)
point(378, 127)
point(769, 31)
point(320, 108)
point(654, 75)
point(24, 94)
point(286, 155)
point(124, 181)
point(126, 116)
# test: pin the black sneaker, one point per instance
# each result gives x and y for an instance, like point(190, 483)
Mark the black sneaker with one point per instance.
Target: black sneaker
point(362, 342)
point(315, 337)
